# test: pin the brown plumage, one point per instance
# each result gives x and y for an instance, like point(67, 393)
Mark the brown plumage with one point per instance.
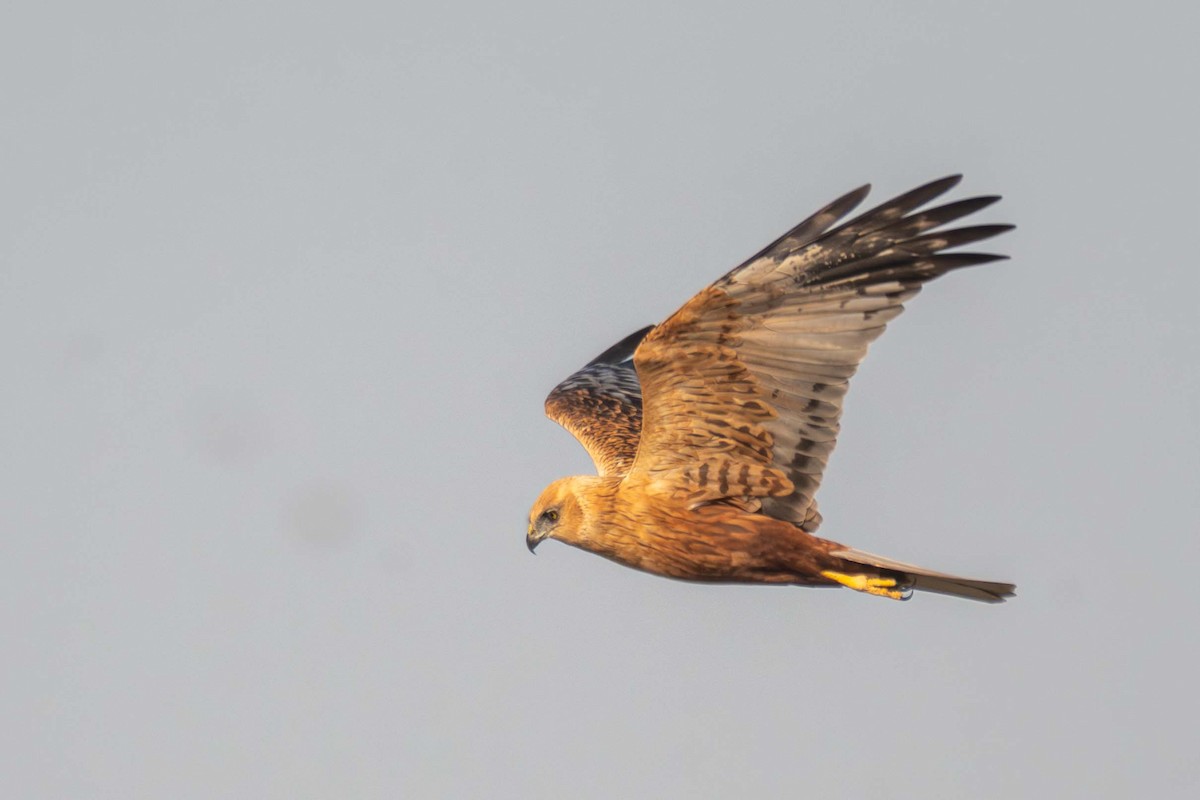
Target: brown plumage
point(711, 444)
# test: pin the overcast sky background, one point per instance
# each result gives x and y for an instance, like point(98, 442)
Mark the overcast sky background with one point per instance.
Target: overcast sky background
point(282, 289)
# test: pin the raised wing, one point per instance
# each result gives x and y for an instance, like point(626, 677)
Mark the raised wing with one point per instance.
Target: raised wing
point(601, 405)
point(742, 387)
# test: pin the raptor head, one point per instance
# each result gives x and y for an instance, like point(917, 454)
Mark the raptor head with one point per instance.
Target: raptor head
point(557, 514)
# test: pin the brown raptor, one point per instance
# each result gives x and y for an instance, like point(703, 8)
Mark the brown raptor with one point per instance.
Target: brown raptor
point(710, 432)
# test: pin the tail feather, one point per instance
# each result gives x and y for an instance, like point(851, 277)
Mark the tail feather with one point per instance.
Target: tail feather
point(926, 580)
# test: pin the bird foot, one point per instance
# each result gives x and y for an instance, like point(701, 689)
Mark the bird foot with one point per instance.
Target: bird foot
point(883, 587)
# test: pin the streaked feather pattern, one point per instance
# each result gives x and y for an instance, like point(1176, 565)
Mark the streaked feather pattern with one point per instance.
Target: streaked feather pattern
point(712, 443)
point(601, 405)
point(781, 335)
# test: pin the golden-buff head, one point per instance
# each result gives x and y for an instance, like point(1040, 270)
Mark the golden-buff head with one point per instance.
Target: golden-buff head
point(559, 512)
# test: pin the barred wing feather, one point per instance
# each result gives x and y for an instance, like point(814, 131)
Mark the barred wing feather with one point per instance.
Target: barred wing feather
point(742, 388)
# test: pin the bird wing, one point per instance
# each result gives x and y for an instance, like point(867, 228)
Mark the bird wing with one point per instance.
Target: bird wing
point(742, 387)
point(601, 405)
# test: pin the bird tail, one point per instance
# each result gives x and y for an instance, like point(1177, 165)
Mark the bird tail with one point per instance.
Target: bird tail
point(924, 580)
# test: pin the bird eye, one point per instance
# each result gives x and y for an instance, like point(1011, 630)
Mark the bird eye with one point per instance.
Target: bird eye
point(551, 515)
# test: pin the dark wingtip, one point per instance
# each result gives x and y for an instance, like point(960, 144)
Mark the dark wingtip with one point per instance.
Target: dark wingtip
point(944, 184)
point(915, 198)
point(848, 202)
point(980, 202)
point(623, 349)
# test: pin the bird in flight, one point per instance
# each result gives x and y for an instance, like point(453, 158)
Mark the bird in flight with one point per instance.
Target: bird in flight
point(711, 431)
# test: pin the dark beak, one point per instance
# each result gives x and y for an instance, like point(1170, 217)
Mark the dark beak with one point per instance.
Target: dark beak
point(531, 541)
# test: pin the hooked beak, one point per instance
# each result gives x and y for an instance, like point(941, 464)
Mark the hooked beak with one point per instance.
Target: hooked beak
point(531, 540)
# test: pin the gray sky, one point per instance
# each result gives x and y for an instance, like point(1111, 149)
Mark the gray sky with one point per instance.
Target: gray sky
point(283, 286)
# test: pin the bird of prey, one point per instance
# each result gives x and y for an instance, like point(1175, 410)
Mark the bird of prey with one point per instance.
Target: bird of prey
point(710, 431)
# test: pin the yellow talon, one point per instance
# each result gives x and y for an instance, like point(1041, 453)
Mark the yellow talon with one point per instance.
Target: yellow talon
point(883, 587)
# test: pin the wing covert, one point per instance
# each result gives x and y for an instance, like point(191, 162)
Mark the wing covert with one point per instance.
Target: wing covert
point(601, 405)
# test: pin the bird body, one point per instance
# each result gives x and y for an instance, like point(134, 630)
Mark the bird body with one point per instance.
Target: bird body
point(711, 431)
point(639, 528)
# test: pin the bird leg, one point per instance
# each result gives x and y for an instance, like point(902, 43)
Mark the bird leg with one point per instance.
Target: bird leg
point(883, 587)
